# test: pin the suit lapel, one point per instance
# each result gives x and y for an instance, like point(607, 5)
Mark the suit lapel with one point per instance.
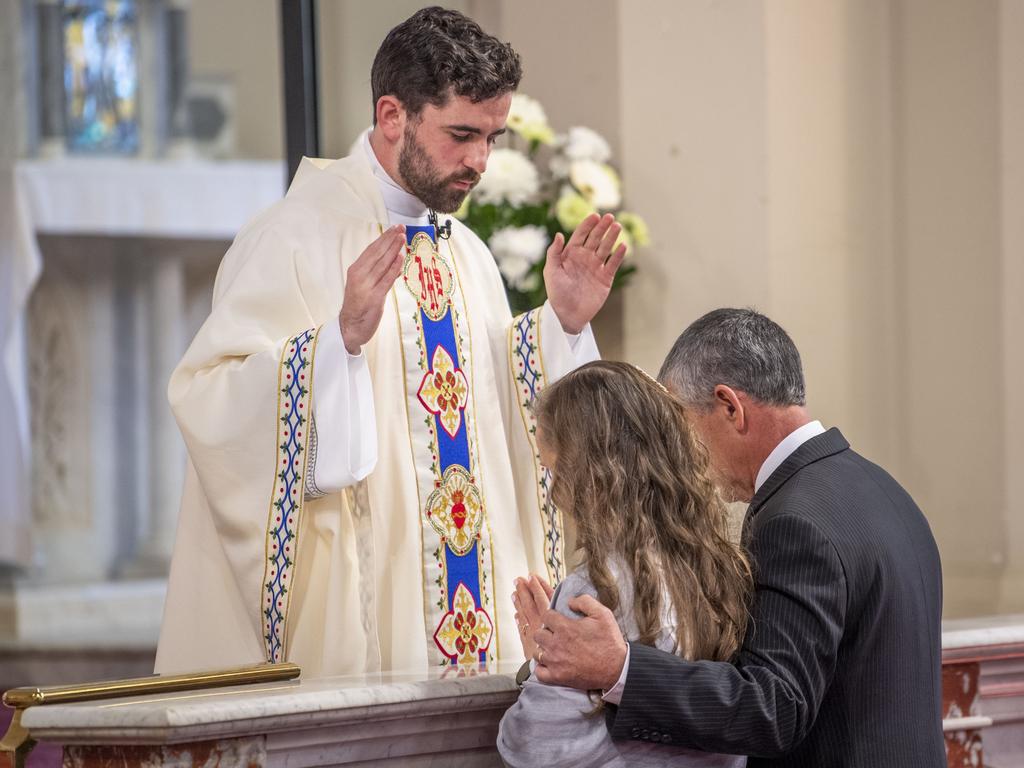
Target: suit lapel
point(815, 449)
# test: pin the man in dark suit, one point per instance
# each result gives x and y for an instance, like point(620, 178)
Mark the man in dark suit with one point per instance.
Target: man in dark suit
point(841, 662)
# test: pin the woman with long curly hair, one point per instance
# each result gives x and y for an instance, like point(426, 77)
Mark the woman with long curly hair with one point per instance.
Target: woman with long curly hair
point(653, 537)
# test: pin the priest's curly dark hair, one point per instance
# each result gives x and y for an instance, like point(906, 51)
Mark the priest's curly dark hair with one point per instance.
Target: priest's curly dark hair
point(631, 474)
point(436, 53)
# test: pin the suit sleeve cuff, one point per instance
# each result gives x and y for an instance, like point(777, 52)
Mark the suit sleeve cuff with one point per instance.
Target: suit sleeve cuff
point(614, 694)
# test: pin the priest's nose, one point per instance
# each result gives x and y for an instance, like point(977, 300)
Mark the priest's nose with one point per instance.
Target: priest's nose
point(476, 158)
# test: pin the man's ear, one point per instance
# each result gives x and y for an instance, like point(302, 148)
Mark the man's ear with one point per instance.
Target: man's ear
point(391, 116)
point(727, 400)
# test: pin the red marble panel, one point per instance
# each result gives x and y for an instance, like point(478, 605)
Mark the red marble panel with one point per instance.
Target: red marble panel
point(963, 749)
point(960, 699)
point(228, 753)
point(960, 689)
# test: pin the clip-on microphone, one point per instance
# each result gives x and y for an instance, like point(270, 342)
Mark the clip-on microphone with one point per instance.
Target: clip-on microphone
point(444, 231)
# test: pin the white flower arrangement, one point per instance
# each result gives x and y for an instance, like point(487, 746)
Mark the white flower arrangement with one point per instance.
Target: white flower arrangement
point(510, 178)
point(527, 118)
point(598, 183)
point(549, 185)
point(517, 249)
point(581, 143)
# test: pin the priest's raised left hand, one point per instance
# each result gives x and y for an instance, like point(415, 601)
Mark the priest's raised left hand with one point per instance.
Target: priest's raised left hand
point(578, 275)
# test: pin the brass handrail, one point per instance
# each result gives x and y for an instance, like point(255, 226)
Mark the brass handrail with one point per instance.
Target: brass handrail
point(17, 742)
point(141, 686)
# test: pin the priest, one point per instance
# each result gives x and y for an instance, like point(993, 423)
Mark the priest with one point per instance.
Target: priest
point(363, 482)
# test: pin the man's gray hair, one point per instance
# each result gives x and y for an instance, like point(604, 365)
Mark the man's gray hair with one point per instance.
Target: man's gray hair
point(740, 348)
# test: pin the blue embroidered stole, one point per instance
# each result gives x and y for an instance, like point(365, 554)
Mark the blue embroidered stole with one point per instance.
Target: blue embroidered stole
point(457, 557)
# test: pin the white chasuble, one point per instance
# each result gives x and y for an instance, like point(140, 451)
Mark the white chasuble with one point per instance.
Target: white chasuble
point(413, 565)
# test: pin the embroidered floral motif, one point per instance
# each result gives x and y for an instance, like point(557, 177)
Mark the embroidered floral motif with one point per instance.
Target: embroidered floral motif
point(525, 343)
point(528, 372)
point(294, 402)
point(465, 630)
point(427, 276)
point(445, 391)
point(455, 510)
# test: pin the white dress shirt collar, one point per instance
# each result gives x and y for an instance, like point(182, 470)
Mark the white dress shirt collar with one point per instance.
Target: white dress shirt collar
point(403, 207)
point(785, 449)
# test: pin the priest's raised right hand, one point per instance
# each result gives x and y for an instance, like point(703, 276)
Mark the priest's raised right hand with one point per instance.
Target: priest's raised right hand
point(367, 283)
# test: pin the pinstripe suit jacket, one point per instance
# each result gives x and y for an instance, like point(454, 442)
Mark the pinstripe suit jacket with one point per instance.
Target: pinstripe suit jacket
point(841, 663)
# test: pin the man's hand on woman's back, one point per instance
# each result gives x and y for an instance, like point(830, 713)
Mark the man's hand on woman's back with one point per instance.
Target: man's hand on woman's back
point(586, 653)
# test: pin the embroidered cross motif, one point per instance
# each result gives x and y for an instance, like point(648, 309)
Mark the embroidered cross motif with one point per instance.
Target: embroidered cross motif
point(465, 630)
point(445, 391)
point(455, 510)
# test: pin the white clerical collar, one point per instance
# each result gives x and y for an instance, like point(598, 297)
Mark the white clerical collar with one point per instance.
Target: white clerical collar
point(785, 449)
point(403, 207)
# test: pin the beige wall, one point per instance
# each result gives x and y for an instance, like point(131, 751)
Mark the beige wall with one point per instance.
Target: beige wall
point(829, 196)
point(348, 34)
point(240, 41)
point(948, 228)
point(694, 163)
point(578, 84)
point(852, 168)
point(1011, 415)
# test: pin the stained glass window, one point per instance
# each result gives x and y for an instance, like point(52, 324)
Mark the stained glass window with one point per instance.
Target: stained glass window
point(101, 75)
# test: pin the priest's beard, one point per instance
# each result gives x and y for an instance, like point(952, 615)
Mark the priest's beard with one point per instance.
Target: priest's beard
point(423, 179)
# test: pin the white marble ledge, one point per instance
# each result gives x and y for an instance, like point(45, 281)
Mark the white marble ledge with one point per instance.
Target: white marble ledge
point(118, 614)
point(266, 708)
point(978, 634)
point(148, 198)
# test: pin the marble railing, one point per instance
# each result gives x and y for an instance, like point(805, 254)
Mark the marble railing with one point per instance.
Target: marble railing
point(442, 718)
point(983, 691)
point(450, 718)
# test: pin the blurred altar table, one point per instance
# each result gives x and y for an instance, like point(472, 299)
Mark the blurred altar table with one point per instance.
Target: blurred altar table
point(106, 267)
point(148, 198)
